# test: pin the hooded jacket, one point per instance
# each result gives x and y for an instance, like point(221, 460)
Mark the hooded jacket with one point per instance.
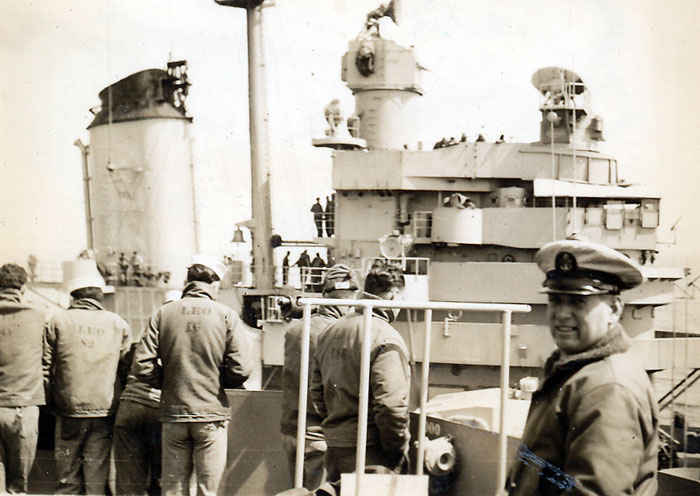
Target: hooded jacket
point(85, 346)
point(21, 345)
point(592, 426)
point(203, 349)
point(336, 383)
point(325, 316)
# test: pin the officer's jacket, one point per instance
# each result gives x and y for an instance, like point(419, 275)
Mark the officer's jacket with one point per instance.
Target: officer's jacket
point(203, 349)
point(85, 345)
point(290, 372)
point(21, 344)
point(336, 383)
point(591, 428)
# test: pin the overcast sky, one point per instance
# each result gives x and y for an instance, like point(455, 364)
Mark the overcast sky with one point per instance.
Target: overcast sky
point(638, 58)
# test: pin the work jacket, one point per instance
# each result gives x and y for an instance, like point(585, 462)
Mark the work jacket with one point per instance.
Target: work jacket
point(325, 316)
point(592, 426)
point(85, 347)
point(336, 383)
point(203, 349)
point(140, 392)
point(136, 390)
point(21, 344)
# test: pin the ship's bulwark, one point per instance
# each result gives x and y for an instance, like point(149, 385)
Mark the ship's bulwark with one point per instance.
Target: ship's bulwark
point(256, 462)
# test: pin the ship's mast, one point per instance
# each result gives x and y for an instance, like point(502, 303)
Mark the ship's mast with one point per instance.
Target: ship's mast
point(259, 145)
point(396, 4)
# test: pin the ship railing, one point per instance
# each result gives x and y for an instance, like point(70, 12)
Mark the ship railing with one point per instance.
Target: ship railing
point(272, 308)
point(312, 278)
point(412, 266)
point(367, 306)
point(422, 224)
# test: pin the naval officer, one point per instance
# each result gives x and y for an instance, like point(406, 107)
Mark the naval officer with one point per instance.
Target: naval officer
point(593, 424)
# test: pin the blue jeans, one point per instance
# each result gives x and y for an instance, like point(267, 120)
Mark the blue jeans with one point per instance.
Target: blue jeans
point(198, 446)
point(137, 449)
point(19, 429)
point(82, 454)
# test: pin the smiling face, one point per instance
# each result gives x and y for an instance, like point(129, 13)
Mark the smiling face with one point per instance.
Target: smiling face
point(577, 322)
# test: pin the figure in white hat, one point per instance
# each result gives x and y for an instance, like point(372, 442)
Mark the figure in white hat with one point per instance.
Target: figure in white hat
point(592, 427)
point(85, 353)
point(192, 350)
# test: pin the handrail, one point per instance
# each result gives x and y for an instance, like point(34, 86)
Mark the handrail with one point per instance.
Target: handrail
point(367, 306)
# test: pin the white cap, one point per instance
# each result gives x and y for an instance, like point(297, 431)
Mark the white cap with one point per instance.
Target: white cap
point(212, 262)
point(529, 384)
point(172, 295)
point(83, 273)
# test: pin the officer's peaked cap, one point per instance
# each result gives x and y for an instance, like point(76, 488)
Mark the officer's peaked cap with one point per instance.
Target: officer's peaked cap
point(575, 266)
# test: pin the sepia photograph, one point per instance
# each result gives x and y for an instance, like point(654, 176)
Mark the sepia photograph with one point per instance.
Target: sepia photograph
point(401, 247)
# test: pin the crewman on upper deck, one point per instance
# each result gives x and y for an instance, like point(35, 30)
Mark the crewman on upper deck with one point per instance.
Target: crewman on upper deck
point(329, 215)
point(317, 211)
point(592, 427)
point(21, 382)
point(340, 282)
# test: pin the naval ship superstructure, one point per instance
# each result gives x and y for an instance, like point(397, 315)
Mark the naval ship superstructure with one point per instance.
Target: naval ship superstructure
point(464, 219)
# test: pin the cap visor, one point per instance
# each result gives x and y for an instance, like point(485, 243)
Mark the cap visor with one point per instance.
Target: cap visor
point(583, 292)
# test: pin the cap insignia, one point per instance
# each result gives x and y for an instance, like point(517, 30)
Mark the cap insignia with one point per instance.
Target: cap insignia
point(565, 262)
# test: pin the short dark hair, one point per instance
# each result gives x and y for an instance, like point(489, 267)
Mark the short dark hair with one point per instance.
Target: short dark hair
point(12, 276)
point(202, 273)
point(383, 277)
point(92, 292)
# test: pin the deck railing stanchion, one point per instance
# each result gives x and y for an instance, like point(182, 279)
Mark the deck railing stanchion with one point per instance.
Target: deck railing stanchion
point(505, 379)
point(303, 395)
point(363, 408)
point(425, 370)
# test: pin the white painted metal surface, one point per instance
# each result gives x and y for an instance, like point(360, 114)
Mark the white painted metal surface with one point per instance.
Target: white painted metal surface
point(544, 187)
point(303, 397)
point(143, 192)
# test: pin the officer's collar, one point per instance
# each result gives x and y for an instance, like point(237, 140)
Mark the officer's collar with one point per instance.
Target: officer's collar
point(616, 341)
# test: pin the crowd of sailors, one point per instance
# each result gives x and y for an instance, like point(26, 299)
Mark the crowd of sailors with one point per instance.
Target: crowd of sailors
point(155, 396)
point(452, 141)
